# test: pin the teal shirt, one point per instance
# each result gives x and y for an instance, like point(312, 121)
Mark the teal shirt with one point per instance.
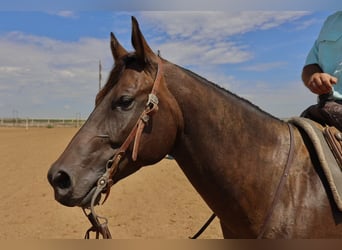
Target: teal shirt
point(327, 51)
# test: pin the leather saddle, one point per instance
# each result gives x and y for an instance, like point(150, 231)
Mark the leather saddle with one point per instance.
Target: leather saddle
point(334, 139)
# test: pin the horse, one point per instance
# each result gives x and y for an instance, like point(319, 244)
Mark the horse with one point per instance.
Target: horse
point(234, 154)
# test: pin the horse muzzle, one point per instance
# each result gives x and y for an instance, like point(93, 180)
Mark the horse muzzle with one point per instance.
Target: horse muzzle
point(67, 192)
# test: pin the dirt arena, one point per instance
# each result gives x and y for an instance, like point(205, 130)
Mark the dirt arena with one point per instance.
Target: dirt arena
point(157, 202)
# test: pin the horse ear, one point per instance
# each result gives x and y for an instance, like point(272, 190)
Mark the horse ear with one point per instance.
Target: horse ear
point(117, 50)
point(143, 51)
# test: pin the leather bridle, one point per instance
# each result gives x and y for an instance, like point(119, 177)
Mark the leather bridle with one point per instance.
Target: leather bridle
point(105, 182)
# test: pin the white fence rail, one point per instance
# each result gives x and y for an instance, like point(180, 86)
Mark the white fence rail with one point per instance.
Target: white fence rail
point(48, 123)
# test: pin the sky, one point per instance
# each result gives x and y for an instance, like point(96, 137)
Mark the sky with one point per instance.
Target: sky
point(49, 55)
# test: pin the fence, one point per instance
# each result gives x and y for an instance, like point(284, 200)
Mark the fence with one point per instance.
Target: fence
point(47, 123)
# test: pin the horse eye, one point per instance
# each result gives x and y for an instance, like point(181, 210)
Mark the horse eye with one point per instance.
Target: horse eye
point(125, 102)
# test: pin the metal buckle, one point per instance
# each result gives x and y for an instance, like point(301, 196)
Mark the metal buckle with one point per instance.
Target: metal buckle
point(152, 99)
point(145, 118)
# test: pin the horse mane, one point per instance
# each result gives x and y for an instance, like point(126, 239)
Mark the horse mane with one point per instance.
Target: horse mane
point(225, 91)
point(121, 65)
point(125, 62)
point(114, 76)
point(112, 80)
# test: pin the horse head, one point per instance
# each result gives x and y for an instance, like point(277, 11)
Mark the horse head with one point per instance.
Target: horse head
point(118, 107)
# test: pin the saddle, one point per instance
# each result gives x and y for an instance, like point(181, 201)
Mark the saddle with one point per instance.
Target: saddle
point(327, 142)
point(334, 139)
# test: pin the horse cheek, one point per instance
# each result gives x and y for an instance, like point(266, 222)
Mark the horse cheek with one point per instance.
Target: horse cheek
point(157, 144)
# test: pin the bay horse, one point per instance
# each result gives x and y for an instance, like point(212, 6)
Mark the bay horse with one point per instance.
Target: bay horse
point(232, 152)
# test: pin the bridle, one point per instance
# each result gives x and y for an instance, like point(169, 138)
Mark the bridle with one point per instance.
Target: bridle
point(105, 182)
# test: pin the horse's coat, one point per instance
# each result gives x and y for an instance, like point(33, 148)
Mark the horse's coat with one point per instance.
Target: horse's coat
point(232, 152)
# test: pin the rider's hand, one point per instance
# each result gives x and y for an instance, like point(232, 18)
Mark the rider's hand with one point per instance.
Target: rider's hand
point(321, 83)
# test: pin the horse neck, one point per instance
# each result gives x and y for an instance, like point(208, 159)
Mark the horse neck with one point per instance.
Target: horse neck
point(226, 146)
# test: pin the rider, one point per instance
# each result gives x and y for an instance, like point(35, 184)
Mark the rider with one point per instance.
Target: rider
point(322, 73)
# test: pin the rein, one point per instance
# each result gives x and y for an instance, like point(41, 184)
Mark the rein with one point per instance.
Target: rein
point(280, 185)
point(276, 196)
point(105, 182)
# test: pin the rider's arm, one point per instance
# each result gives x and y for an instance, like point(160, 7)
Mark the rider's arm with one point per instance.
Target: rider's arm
point(316, 80)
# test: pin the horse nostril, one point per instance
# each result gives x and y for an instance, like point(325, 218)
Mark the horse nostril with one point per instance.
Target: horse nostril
point(62, 180)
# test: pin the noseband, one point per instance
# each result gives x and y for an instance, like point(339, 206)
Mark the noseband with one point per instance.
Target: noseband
point(105, 182)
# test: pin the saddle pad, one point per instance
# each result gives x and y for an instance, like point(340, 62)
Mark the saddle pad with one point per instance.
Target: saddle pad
point(326, 158)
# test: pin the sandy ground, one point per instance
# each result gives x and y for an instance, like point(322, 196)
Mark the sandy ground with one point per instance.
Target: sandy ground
point(157, 202)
